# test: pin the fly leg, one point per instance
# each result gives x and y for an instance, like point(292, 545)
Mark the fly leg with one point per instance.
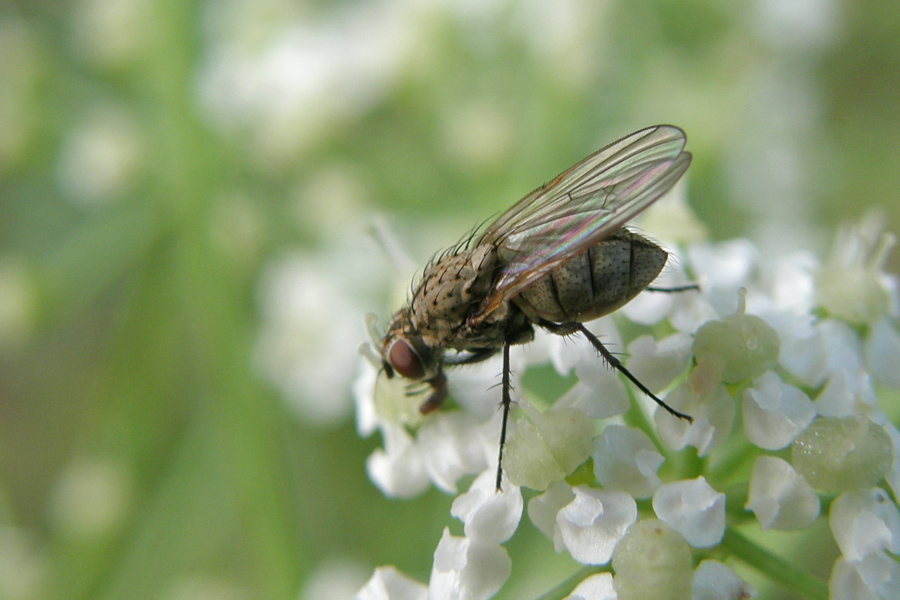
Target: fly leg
point(475, 356)
point(505, 402)
point(567, 328)
point(438, 385)
point(671, 290)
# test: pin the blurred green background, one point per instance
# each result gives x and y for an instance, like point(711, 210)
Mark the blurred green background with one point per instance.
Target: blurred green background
point(187, 194)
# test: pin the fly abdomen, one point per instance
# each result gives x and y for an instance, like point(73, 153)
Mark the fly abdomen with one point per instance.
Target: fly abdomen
point(596, 282)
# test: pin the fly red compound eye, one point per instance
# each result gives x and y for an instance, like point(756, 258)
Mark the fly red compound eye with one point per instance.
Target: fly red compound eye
point(405, 360)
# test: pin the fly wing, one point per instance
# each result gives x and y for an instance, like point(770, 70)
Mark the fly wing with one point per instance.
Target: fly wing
point(582, 206)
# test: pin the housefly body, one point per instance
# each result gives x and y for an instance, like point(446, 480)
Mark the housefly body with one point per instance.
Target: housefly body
point(556, 259)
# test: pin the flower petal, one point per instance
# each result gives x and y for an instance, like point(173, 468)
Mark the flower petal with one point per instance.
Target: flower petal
point(467, 568)
point(780, 497)
point(625, 459)
point(865, 521)
point(593, 523)
point(775, 412)
point(489, 515)
point(387, 583)
point(694, 509)
point(716, 581)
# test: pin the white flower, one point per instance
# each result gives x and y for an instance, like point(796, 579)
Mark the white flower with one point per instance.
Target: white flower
point(593, 523)
point(715, 581)
point(364, 398)
point(893, 476)
point(803, 352)
point(387, 583)
point(652, 307)
point(882, 348)
point(780, 497)
point(306, 300)
point(92, 498)
point(543, 509)
point(475, 386)
point(875, 577)
point(489, 515)
point(692, 508)
point(711, 408)
point(605, 397)
point(398, 469)
point(596, 587)
point(849, 447)
point(848, 393)
point(851, 284)
point(331, 578)
point(451, 445)
point(724, 265)
point(775, 412)
point(865, 521)
point(657, 363)
point(576, 352)
point(467, 568)
point(625, 459)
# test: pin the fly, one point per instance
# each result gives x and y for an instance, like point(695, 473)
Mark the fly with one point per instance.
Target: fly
point(556, 259)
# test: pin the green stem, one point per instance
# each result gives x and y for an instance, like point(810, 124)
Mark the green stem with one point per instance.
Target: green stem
point(774, 567)
point(565, 588)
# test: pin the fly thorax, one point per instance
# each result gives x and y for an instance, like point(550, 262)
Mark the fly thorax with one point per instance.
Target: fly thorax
point(450, 290)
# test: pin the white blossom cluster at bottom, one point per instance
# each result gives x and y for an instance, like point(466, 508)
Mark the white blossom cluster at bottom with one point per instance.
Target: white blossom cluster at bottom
point(780, 365)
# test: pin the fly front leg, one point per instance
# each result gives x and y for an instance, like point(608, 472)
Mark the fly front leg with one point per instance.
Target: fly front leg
point(438, 385)
point(567, 328)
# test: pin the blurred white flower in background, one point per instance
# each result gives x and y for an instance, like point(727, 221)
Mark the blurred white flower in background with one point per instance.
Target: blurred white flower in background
point(100, 158)
point(308, 335)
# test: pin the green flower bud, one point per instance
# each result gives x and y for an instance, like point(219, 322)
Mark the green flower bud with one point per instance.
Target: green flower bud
point(837, 454)
point(652, 561)
point(548, 447)
point(743, 346)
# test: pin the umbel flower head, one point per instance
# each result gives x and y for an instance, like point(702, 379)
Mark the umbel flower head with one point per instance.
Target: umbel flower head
point(786, 367)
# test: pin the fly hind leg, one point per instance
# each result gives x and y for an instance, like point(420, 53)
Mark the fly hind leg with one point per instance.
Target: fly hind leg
point(681, 288)
point(609, 357)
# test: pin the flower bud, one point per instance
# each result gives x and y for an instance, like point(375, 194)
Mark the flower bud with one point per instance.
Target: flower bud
point(743, 345)
point(837, 454)
point(548, 447)
point(652, 561)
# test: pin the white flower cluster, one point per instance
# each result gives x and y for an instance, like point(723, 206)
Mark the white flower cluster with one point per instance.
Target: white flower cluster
point(789, 371)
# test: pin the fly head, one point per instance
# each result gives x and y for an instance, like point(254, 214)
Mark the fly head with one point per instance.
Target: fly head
point(405, 352)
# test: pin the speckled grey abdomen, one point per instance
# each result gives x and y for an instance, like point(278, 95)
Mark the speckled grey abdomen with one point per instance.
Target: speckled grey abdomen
point(595, 282)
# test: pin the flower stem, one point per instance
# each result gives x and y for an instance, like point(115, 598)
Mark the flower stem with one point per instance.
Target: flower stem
point(565, 588)
point(774, 567)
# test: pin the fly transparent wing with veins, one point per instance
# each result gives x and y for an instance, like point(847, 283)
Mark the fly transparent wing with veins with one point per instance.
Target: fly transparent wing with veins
point(582, 206)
